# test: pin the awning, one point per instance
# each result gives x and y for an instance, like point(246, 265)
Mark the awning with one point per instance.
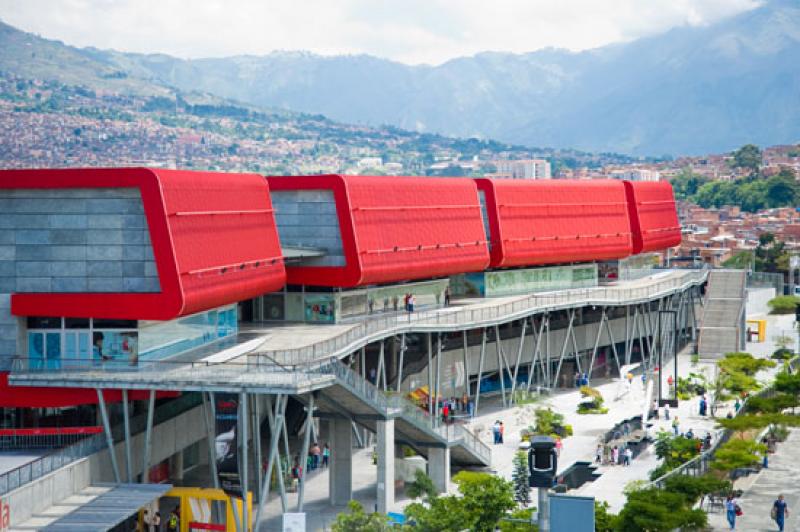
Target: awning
point(113, 505)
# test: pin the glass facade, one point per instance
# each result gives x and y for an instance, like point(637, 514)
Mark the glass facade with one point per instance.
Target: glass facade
point(55, 343)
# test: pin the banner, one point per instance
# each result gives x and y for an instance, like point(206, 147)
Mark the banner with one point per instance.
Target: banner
point(226, 444)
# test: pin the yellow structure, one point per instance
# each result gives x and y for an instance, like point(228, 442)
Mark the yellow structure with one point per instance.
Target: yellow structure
point(759, 328)
point(191, 503)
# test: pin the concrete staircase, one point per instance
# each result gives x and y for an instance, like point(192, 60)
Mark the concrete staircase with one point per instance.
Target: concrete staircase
point(413, 425)
point(722, 324)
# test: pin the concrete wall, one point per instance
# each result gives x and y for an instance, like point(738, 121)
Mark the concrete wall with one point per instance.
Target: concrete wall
point(308, 218)
point(38, 496)
point(169, 438)
point(72, 240)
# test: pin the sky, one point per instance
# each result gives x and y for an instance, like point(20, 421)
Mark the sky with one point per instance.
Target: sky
point(409, 31)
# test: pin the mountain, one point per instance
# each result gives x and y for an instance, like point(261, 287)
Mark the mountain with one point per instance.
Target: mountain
point(691, 90)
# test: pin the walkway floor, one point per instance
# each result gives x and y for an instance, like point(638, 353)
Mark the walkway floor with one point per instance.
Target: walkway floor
point(779, 478)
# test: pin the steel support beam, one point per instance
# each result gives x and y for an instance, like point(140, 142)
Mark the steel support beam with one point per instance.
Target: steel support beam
point(564, 348)
point(148, 436)
point(276, 422)
point(126, 421)
point(101, 401)
point(519, 357)
point(400, 362)
point(480, 371)
point(500, 366)
point(304, 450)
point(244, 459)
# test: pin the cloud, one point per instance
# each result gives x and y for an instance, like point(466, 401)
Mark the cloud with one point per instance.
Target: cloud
point(410, 31)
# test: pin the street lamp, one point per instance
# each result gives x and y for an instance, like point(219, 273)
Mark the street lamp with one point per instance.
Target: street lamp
point(667, 317)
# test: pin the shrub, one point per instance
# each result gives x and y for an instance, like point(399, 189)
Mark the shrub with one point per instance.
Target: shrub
point(783, 304)
point(782, 353)
point(592, 401)
point(357, 520)
point(549, 423)
point(735, 454)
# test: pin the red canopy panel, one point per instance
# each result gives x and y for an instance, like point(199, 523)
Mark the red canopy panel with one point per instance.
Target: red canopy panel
point(396, 228)
point(654, 218)
point(536, 222)
point(213, 236)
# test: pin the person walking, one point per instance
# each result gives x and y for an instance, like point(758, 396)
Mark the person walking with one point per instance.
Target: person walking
point(615, 455)
point(732, 510)
point(666, 412)
point(447, 296)
point(316, 452)
point(598, 454)
point(737, 405)
point(445, 412)
point(326, 455)
point(702, 408)
point(675, 425)
point(559, 446)
point(628, 456)
point(502, 431)
point(174, 522)
point(780, 511)
point(496, 432)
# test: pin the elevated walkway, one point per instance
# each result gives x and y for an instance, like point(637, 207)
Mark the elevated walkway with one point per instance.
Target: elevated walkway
point(722, 326)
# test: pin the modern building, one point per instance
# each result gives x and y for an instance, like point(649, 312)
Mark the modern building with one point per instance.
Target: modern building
point(266, 299)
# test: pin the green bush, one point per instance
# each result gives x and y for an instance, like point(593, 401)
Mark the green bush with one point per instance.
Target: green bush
point(783, 304)
point(548, 423)
point(592, 401)
point(782, 353)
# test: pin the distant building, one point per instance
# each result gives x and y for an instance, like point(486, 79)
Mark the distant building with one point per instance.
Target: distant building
point(635, 174)
point(370, 162)
point(524, 169)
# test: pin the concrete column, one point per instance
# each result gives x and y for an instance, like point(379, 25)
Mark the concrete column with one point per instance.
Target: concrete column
point(176, 466)
point(385, 450)
point(439, 467)
point(340, 478)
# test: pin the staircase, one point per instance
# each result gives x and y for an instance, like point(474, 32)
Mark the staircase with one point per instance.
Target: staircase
point(413, 425)
point(722, 325)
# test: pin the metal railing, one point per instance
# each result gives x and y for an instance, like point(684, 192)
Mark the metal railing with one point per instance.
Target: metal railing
point(87, 446)
point(395, 405)
point(700, 465)
point(44, 438)
point(487, 314)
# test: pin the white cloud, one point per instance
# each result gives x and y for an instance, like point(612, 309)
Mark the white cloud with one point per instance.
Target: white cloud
point(411, 31)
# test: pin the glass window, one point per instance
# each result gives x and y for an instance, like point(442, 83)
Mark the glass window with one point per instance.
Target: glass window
point(36, 349)
point(76, 323)
point(53, 344)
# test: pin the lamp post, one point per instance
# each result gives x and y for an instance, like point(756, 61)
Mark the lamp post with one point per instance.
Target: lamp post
point(662, 320)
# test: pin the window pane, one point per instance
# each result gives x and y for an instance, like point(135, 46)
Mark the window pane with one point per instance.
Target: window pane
point(76, 323)
point(53, 341)
point(43, 323)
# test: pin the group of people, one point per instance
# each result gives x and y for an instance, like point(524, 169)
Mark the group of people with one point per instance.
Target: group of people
point(152, 523)
point(617, 455)
point(581, 379)
point(497, 431)
point(450, 407)
point(318, 457)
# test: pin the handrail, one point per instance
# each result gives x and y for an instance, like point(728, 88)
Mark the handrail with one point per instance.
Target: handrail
point(485, 316)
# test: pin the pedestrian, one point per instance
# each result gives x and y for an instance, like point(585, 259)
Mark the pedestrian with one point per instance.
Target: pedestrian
point(675, 425)
point(559, 446)
point(447, 296)
point(626, 429)
point(373, 376)
point(502, 431)
point(411, 301)
point(654, 410)
point(577, 378)
point(703, 406)
point(780, 511)
point(316, 452)
point(670, 380)
point(628, 456)
point(765, 460)
point(707, 442)
point(666, 411)
point(496, 432)
point(326, 455)
point(731, 511)
point(585, 380)
point(395, 302)
point(598, 454)
point(174, 522)
point(737, 405)
point(297, 471)
point(470, 408)
point(690, 434)
point(445, 411)
point(615, 455)
point(155, 524)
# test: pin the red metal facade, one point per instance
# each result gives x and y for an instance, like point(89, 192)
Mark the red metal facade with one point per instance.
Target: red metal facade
point(213, 235)
point(397, 228)
point(556, 221)
point(654, 218)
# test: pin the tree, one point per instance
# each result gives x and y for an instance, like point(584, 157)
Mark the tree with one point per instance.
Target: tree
point(782, 189)
point(686, 183)
point(422, 487)
point(743, 363)
point(360, 521)
point(748, 157)
point(604, 521)
point(736, 454)
point(695, 487)
point(484, 500)
point(656, 510)
point(522, 489)
point(783, 304)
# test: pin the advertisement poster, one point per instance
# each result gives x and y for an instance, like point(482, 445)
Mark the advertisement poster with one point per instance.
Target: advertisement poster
point(319, 309)
point(226, 444)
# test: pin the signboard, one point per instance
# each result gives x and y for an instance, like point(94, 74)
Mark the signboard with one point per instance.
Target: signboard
point(571, 514)
point(226, 444)
point(294, 522)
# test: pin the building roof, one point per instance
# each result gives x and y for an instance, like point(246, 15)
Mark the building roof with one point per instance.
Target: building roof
point(213, 236)
point(396, 228)
point(654, 219)
point(551, 222)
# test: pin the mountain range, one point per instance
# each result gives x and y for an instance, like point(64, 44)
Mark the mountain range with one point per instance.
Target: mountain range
point(691, 90)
